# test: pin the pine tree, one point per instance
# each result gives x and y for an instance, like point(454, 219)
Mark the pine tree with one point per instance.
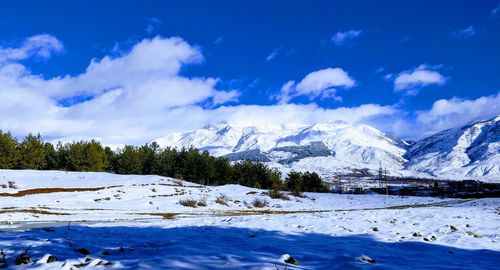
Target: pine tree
point(76, 158)
point(129, 161)
point(95, 156)
point(51, 157)
point(32, 151)
point(149, 157)
point(294, 183)
point(9, 152)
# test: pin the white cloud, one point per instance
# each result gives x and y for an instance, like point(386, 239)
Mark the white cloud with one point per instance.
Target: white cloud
point(449, 113)
point(39, 46)
point(284, 95)
point(298, 113)
point(140, 96)
point(413, 80)
point(273, 54)
point(153, 25)
point(322, 83)
point(219, 41)
point(495, 11)
point(464, 33)
point(342, 38)
point(131, 95)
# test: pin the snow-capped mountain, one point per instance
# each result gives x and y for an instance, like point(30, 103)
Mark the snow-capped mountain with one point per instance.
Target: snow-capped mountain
point(470, 152)
point(327, 148)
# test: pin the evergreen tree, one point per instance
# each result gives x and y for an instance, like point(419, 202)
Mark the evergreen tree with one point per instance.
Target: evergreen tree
point(51, 157)
point(32, 151)
point(9, 152)
point(111, 159)
point(312, 182)
point(167, 162)
point(294, 183)
point(149, 157)
point(223, 171)
point(128, 161)
point(75, 156)
point(95, 157)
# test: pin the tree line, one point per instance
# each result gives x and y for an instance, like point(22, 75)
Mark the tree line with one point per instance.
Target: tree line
point(187, 163)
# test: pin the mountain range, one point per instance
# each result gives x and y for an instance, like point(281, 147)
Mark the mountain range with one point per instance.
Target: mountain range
point(354, 150)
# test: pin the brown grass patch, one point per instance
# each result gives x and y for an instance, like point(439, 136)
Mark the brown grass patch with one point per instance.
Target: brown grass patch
point(35, 191)
point(164, 215)
point(269, 212)
point(33, 211)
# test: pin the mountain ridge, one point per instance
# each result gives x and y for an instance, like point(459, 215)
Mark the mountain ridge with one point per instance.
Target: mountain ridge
point(337, 148)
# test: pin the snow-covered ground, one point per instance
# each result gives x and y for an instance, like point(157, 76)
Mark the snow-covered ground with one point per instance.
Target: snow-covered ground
point(138, 222)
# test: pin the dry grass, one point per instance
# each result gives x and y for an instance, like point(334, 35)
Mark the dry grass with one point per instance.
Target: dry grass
point(32, 211)
point(188, 203)
point(35, 191)
point(267, 212)
point(202, 203)
point(164, 215)
point(276, 194)
point(222, 200)
point(259, 203)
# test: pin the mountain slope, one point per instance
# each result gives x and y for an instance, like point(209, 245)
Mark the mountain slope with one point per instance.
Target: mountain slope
point(326, 148)
point(472, 151)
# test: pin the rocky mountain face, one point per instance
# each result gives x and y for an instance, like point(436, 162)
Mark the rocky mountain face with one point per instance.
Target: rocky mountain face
point(470, 152)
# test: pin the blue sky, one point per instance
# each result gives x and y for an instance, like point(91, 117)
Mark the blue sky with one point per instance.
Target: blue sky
point(425, 65)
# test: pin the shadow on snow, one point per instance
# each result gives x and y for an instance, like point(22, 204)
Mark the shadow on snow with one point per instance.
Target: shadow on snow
point(237, 248)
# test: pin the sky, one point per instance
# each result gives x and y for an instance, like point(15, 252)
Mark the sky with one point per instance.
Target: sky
point(128, 72)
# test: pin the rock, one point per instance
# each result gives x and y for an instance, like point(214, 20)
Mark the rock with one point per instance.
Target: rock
point(366, 259)
point(47, 258)
point(453, 228)
point(3, 259)
point(105, 253)
point(83, 251)
point(375, 229)
point(52, 259)
point(24, 258)
point(289, 259)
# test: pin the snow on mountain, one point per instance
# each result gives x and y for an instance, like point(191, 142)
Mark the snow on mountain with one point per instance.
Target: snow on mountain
point(470, 152)
point(340, 147)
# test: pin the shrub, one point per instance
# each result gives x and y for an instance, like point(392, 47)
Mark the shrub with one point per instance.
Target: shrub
point(202, 203)
point(259, 203)
point(12, 184)
point(275, 192)
point(178, 183)
point(298, 182)
point(188, 203)
point(222, 200)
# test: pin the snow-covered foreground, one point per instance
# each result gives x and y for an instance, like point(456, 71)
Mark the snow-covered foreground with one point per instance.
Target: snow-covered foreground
point(137, 222)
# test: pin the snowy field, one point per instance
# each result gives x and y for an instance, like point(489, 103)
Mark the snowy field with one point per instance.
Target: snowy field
point(137, 222)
